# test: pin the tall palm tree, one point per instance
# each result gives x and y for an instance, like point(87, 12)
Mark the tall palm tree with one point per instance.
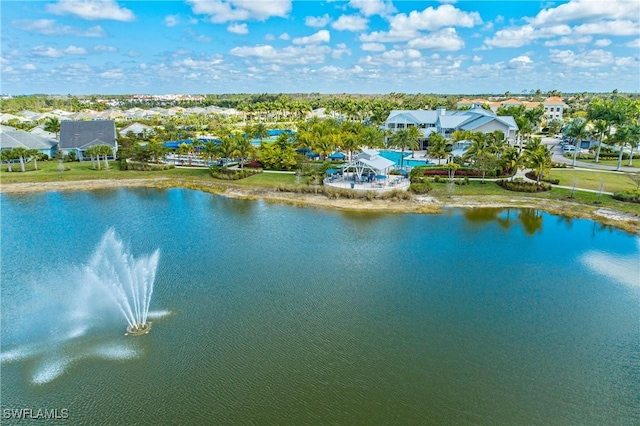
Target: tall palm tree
point(209, 151)
point(226, 147)
point(8, 155)
point(437, 146)
point(91, 153)
point(34, 153)
point(577, 129)
point(512, 160)
point(260, 131)
point(539, 160)
point(106, 151)
point(243, 148)
point(52, 125)
point(20, 153)
point(634, 140)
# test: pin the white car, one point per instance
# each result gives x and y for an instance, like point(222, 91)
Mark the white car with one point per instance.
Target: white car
point(569, 148)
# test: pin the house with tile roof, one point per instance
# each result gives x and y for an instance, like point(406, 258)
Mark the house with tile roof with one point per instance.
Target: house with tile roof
point(554, 106)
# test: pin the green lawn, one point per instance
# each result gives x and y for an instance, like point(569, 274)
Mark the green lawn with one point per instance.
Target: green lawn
point(48, 172)
point(613, 182)
point(612, 162)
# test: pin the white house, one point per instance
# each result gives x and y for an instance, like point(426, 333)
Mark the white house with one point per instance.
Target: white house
point(446, 122)
point(137, 129)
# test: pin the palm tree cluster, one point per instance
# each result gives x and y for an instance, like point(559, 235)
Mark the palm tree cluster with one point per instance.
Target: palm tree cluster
point(19, 153)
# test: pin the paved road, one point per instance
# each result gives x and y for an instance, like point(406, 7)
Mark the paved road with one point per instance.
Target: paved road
point(554, 145)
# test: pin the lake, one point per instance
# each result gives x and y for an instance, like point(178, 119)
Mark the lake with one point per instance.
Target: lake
point(273, 314)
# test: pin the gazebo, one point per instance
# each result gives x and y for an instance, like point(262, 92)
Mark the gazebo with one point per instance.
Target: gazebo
point(367, 163)
point(368, 171)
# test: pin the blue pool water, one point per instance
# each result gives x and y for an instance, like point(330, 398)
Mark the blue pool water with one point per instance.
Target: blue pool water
point(395, 156)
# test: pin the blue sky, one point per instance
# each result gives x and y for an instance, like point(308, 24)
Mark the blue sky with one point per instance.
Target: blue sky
point(357, 46)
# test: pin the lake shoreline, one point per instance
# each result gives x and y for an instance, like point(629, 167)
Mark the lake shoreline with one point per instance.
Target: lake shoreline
point(417, 204)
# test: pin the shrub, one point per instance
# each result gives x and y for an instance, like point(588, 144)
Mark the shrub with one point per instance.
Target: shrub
point(219, 172)
point(533, 176)
point(519, 185)
point(420, 188)
point(144, 167)
point(632, 196)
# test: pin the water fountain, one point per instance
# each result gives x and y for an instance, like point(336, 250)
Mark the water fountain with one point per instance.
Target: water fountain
point(128, 280)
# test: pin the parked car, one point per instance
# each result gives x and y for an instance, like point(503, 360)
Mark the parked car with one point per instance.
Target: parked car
point(569, 148)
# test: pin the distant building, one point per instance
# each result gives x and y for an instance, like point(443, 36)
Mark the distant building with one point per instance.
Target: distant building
point(137, 129)
point(78, 136)
point(553, 106)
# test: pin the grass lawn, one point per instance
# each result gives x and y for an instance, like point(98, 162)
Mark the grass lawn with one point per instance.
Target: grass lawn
point(48, 172)
point(270, 180)
point(613, 182)
point(612, 162)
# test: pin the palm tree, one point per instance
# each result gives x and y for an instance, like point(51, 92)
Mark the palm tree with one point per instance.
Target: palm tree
point(577, 129)
point(243, 148)
point(34, 153)
point(20, 153)
point(52, 125)
point(106, 151)
point(226, 147)
point(634, 140)
point(539, 160)
point(260, 131)
point(91, 152)
point(8, 155)
point(403, 139)
point(512, 160)
point(209, 151)
point(437, 146)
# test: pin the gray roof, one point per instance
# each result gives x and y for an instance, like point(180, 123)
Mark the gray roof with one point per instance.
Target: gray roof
point(84, 134)
point(13, 138)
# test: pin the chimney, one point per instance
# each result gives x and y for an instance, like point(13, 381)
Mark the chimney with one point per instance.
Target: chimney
point(441, 110)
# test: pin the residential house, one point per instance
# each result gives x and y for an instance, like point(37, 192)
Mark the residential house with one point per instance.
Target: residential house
point(137, 129)
point(13, 138)
point(554, 106)
point(78, 136)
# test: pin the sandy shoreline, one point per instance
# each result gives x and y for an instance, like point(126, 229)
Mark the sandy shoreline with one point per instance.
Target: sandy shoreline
point(418, 204)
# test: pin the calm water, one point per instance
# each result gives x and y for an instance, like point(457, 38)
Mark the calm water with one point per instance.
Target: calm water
point(273, 314)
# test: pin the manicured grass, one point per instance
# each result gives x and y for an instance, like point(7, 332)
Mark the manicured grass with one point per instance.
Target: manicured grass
point(48, 172)
point(613, 182)
point(625, 163)
point(609, 162)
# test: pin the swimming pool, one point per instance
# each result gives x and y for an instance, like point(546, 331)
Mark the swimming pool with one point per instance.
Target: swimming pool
point(395, 156)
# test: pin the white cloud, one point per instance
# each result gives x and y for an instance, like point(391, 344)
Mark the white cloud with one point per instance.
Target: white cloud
point(238, 28)
point(586, 10)
point(634, 43)
point(322, 36)
point(171, 20)
point(29, 67)
point(74, 50)
point(565, 41)
point(133, 53)
point(49, 52)
point(627, 62)
point(444, 40)
point(92, 9)
point(524, 35)
point(269, 37)
point(432, 19)
point(285, 56)
point(373, 7)
point(340, 49)
point(199, 64)
point(587, 59)
point(49, 27)
point(613, 28)
point(317, 21)
point(114, 73)
point(350, 23)
point(103, 48)
point(373, 47)
point(521, 62)
point(221, 11)
point(476, 59)
point(284, 36)
point(603, 42)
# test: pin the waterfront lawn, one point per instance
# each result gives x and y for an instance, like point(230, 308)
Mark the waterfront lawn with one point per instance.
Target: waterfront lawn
point(48, 172)
point(634, 163)
point(476, 188)
point(613, 182)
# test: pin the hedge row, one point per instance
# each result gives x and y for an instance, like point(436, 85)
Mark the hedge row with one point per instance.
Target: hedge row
point(628, 196)
point(519, 185)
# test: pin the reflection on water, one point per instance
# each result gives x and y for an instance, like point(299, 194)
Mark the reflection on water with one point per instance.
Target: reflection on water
point(529, 219)
point(275, 314)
